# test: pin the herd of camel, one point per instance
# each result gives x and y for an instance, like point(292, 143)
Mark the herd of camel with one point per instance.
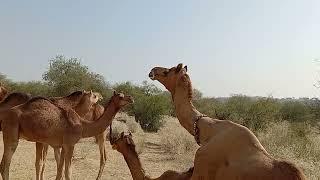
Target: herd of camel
point(228, 151)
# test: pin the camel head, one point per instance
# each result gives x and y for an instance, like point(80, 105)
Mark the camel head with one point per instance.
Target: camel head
point(123, 143)
point(168, 76)
point(120, 100)
point(90, 98)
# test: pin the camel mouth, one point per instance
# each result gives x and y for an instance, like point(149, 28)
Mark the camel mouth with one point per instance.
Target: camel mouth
point(152, 76)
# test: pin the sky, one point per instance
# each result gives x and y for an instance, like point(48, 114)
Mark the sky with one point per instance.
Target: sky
point(252, 47)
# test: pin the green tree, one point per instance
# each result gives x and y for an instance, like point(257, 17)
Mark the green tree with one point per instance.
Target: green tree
point(67, 75)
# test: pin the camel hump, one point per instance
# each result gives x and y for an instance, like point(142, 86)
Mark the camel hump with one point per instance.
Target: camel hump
point(36, 99)
point(16, 96)
point(288, 170)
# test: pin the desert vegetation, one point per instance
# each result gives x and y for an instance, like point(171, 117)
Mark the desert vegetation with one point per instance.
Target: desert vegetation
point(288, 128)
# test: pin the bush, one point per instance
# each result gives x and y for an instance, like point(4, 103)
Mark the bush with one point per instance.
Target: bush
point(35, 88)
point(148, 111)
point(295, 111)
point(150, 104)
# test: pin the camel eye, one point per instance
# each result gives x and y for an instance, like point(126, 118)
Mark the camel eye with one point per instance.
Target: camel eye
point(166, 72)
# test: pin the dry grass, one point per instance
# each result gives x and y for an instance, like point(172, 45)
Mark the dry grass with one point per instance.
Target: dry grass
point(171, 148)
point(125, 123)
point(281, 141)
point(176, 140)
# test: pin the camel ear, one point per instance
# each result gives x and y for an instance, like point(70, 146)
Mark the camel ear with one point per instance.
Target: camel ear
point(186, 68)
point(114, 93)
point(179, 67)
point(90, 91)
point(128, 141)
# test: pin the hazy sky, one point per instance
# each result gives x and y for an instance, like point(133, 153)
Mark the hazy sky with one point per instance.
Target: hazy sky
point(253, 47)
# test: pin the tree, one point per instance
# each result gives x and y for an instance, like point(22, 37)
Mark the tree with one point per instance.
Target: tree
point(68, 75)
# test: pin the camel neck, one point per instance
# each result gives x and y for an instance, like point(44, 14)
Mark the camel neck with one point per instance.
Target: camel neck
point(92, 128)
point(82, 109)
point(185, 111)
point(135, 166)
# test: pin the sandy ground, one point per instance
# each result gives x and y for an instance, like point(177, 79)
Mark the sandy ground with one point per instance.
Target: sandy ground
point(86, 161)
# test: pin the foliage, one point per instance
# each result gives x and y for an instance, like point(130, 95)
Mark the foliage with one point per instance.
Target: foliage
point(68, 75)
point(150, 104)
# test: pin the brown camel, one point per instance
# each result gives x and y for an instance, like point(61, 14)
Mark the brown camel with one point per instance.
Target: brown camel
point(39, 120)
point(228, 150)
point(14, 99)
point(3, 92)
point(125, 145)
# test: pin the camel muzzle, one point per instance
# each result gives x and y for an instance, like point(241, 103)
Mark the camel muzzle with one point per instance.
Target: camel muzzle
point(151, 75)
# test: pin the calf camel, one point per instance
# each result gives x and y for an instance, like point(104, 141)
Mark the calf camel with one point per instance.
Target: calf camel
point(39, 120)
point(125, 145)
point(228, 150)
point(3, 92)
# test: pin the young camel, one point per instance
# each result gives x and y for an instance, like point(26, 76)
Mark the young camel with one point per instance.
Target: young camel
point(125, 145)
point(39, 120)
point(228, 150)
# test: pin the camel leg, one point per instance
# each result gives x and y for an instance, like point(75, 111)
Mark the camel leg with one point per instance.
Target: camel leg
point(60, 166)
point(101, 140)
point(68, 159)
point(10, 142)
point(57, 157)
point(41, 154)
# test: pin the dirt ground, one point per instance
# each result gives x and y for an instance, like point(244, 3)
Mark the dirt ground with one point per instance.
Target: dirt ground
point(86, 161)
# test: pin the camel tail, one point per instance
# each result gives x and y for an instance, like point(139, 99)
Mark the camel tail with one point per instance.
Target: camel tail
point(289, 171)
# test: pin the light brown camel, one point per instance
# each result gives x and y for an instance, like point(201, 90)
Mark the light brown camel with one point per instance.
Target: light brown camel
point(3, 92)
point(125, 145)
point(73, 102)
point(39, 120)
point(80, 101)
point(228, 150)
point(93, 115)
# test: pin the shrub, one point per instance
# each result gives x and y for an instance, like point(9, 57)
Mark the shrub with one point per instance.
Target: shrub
point(150, 104)
point(295, 111)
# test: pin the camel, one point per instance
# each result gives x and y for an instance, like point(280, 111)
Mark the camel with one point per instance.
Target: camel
point(70, 101)
point(77, 101)
point(42, 149)
point(125, 145)
point(39, 120)
point(227, 150)
point(3, 92)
